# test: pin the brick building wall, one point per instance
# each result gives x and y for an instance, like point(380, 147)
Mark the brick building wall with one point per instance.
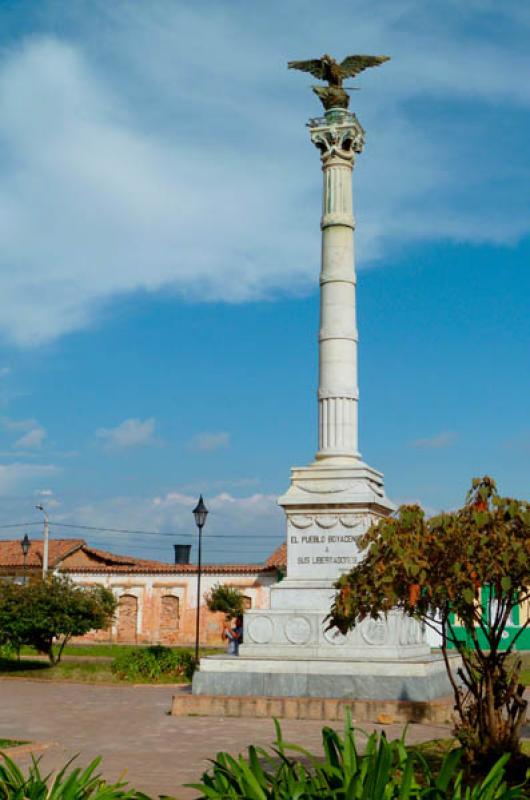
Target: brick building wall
point(155, 610)
point(157, 601)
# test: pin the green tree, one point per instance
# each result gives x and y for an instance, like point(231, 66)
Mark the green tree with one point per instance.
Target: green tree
point(438, 568)
point(51, 611)
point(227, 599)
point(12, 627)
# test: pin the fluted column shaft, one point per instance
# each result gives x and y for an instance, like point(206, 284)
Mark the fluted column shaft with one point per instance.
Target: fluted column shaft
point(338, 136)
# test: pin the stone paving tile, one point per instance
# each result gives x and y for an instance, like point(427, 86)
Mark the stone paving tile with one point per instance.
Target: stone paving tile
point(130, 728)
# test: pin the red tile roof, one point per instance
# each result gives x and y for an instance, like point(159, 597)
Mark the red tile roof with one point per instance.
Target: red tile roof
point(278, 559)
point(94, 561)
point(11, 552)
point(159, 568)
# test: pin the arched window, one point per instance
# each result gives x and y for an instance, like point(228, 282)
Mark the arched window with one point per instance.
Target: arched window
point(127, 618)
point(169, 619)
point(247, 602)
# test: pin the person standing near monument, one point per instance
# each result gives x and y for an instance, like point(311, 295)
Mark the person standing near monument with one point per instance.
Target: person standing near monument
point(234, 636)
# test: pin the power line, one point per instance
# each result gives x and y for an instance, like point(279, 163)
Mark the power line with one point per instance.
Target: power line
point(216, 547)
point(20, 524)
point(153, 533)
point(135, 532)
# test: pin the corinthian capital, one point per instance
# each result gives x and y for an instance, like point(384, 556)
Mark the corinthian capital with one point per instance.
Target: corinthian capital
point(337, 134)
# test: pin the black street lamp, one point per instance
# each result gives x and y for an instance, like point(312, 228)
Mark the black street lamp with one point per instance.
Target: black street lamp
point(200, 512)
point(25, 545)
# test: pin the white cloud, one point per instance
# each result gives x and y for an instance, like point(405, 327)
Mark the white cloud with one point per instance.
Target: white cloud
point(18, 424)
point(129, 433)
point(238, 529)
point(445, 439)
point(206, 442)
point(520, 442)
point(31, 440)
point(52, 503)
point(47, 498)
point(117, 176)
point(247, 516)
point(17, 477)
point(33, 434)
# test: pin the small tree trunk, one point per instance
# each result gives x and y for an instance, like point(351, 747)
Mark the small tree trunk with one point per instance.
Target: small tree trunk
point(61, 648)
point(492, 722)
point(46, 647)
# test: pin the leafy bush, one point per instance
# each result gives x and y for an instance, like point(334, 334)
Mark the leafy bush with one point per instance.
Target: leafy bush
point(384, 771)
point(226, 599)
point(42, 612)
point(154, 663)
point(75, 785)
point(8, 651)
point(471, 563)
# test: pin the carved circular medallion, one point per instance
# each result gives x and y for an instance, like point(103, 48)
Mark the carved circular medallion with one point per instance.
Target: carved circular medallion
point(351, 520)
point(410, 631)
point(326, 520)
point(298, 630)
point(301, 520)
point(259, 630)
point(335, 637)
point(374, 631)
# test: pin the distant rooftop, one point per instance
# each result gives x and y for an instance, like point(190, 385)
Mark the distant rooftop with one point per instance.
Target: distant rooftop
point(76, 556)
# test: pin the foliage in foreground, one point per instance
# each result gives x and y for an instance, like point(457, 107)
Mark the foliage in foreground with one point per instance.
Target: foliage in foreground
point(383, 771)
point(226, 599)
point(153, 663)
point(77, 784)
point(433, 569)
point(45, 612)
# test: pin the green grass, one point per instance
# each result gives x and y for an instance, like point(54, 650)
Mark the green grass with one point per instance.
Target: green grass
point(525, 671)
point(110, 650)
point(525, 659)
point(88, 650)
point(434, 750)
point(5, 743)
point(41, 670)
point(88, 670)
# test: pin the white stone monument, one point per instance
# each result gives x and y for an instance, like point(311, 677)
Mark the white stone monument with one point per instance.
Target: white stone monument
point(287, 650)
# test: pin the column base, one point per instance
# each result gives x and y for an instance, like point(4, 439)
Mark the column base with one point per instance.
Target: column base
point(416, 679)
point(341, 458)
point(302, 633)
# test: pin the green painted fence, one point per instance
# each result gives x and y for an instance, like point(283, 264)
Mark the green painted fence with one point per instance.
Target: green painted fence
point(518, 615)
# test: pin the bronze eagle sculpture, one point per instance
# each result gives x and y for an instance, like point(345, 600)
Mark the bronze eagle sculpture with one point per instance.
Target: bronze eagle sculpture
point(328, 69)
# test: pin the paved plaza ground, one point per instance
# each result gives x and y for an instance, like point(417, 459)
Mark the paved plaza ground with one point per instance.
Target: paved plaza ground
point(130, 728)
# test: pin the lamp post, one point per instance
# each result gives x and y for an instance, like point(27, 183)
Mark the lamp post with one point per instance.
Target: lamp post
point(25, 545)
point(200, 512)
point(46, 537)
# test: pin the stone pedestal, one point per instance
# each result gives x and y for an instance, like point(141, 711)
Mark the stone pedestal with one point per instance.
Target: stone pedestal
point(287, 648)
point(414, 679)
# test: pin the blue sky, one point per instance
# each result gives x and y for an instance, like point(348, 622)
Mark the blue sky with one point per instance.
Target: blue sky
point(159, 249)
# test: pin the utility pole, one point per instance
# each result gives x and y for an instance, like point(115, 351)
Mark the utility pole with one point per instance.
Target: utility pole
point(46, 539)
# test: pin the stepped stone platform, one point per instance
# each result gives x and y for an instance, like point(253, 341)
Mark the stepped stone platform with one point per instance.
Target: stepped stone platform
point(421, 678)
point(385, 712)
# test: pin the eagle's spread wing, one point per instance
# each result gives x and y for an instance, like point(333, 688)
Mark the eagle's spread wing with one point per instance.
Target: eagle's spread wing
point(352, 65)
point(313, 65)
